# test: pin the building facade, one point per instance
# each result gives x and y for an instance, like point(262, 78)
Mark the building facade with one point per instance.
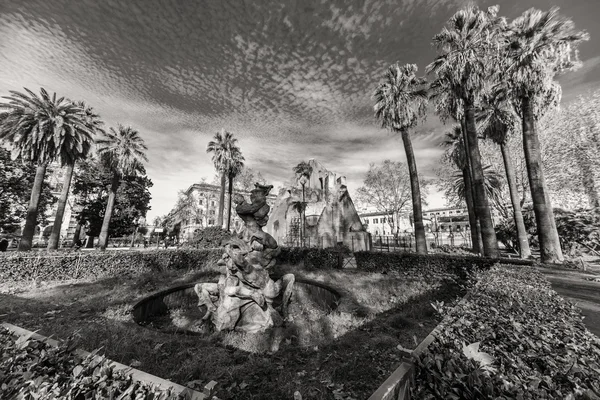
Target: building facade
point(206, 198)
point(380, 223)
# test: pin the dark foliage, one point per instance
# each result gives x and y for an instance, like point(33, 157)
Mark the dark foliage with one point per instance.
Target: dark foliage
point(16, 182)
point(78, 265)
point(312, 258)
point(90, 187)
point(209, 238)
point(31, 369)
point(430, 263)
point(512, 337)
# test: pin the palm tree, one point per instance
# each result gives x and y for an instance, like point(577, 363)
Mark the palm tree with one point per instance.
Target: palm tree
point(41, 129)
point(539, 45)
point(458, 155)
point(75, 147)
point(221, 147)
point(463, 65)
point(122, 150)
point(496, 121)
point(303, 172)
point(234, 166)
point(400, 102)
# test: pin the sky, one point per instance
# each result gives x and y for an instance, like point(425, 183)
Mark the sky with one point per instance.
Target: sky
point(292, 79)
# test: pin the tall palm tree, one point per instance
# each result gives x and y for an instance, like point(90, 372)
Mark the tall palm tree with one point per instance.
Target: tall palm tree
point(539, 45)
point(497, 122)
point(122, 150)
point(457, 153)
point(400, 102)
point(234, 166)
point(221, 147)
point(40, 130)
point(75, 147)
point(466, 55)
point(303, 172)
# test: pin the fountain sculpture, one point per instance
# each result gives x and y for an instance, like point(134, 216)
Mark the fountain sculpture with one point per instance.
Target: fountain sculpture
point(243, 299)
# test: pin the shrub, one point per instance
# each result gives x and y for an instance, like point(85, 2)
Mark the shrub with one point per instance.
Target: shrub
point(313, 258)
point(32, 369)
point(429, 263)
point(512, 337)
point(82, 265)
point(209, 238)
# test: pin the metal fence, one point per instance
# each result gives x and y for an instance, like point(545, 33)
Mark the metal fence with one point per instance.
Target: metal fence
point(406, 242)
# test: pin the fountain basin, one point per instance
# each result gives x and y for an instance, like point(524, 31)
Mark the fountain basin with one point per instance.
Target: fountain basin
point(175, 310)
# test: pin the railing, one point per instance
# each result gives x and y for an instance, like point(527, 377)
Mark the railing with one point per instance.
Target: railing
point(406, 242)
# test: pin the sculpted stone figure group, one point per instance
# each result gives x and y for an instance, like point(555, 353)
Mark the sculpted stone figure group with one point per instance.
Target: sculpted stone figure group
point(245, 297)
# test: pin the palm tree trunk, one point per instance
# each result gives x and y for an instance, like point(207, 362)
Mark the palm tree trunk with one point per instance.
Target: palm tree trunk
point(229, 202)
point(112, 195)
point(475, 237)
point(550, 250)
point(482, 209)
point(32, 210)
point(421, 241)
point(509, 167)
point(60, 209)
point(475, 225)
point(221, 201)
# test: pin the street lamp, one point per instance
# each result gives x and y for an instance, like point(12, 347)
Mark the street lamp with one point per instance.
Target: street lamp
point(303, 180)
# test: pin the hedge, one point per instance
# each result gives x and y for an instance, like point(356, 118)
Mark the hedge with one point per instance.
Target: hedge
point(82, 265)
point(512, 337)
point(32, 369)
point(313, 258)
point(426, 263)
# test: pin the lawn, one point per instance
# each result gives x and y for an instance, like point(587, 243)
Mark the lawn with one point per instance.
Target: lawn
point(357, 349)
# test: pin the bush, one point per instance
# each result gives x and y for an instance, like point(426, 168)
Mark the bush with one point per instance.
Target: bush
point(512, 337)
point(82, 265)
point(312, 258)
point(209, 238)
point(32, 369)
point(429, 263)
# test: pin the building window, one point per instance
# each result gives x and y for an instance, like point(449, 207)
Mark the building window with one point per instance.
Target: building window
point(366, 220)
point(211, 221)
point(212, 203)
point(212, 212)
point(383, 222)
point(375, 220)
point(201, 202)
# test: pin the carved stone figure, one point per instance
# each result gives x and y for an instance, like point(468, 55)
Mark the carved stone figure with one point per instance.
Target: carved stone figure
point(244, 295)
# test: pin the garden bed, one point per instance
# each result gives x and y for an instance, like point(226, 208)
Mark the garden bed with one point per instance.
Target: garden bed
point(358, 350)
point(512, 337)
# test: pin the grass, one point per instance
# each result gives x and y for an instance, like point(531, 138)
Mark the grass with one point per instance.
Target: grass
point(351, 351)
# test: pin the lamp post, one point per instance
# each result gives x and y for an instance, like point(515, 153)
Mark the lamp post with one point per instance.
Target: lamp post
point(303, 179)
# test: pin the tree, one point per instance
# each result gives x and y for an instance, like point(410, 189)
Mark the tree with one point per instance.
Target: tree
point(234, 165)
point(539, 45)
point(466, 56)
point(91, 187)
point(246, 179)
point(387, 188)
point(122, 151)
point(457, 155)
point(16, 180)
point(74, 146)
point(400, 102)
point(497, 122)
point(221, 147)
point(303, 171)
point(39, 129)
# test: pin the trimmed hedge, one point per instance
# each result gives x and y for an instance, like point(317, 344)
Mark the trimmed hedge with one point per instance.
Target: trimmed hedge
point(512, 337)
point(32, 369)
point(81, 265)
point(313, 258)
point(425, 263)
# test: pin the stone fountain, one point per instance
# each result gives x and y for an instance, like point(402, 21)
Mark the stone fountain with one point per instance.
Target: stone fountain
point(245, 295)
